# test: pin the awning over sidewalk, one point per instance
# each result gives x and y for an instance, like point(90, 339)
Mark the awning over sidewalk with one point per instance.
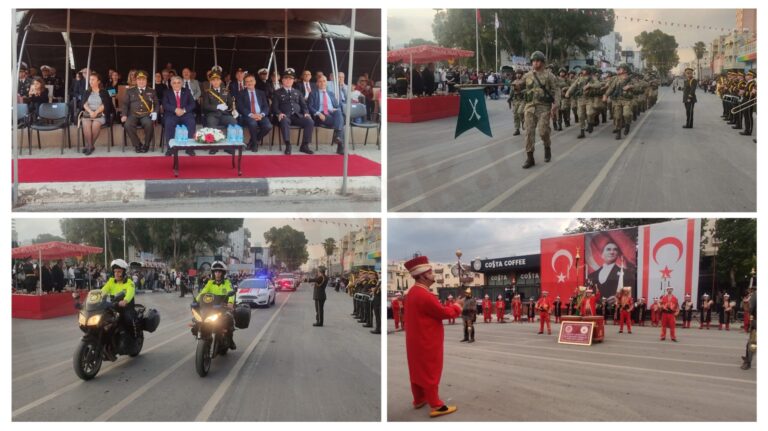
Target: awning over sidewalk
point(426, 54)
point(54, 250)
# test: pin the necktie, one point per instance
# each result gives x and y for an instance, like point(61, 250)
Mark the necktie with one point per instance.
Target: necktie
point(253, 103)
point(178, 100)
point(325, 103)
point(240, 86)
point(186, 85)
point(306, 86)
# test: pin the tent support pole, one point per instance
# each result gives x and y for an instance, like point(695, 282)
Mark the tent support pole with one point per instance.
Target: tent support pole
point(154, 59)
point(88, 63)
point(215, 56)
point(347, 129)
point(66, 59)
point(232, 59)
point(285, 30)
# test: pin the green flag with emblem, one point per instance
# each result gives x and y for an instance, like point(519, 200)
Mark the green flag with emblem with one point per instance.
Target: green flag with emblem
point(472, 111)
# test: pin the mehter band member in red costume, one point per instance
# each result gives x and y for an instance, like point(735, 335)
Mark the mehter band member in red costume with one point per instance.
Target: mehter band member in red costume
point(669, 311)
point(500, 305)
point(544, 307)
point(424, 338)
point(487, 309)
point(588, 305)
point(517, 308)
point(625, 305)
point(396, 307)
point(687, 309)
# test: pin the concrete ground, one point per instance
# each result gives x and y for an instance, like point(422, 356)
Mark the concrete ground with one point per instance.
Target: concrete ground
point(512, 374)
point(283, 369)
point(659, 167)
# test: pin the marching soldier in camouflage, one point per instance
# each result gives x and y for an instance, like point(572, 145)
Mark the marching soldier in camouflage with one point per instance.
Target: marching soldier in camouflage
point(621, 94)
point(640, 86)
point(572, 76)
point(564, 114)
point(542, 98)
point(584, 102)
point(141, 111)
point(609, 104)
point(518, 100)
point(596, 94)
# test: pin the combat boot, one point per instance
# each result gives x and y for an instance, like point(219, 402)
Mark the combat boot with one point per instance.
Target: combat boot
point(603, 115)
point(547, 154)
point(581, 135)
point(618, 134)
point(529, 161)
point(517, 132)
point(590, 127)
point(575, 116)
point(626, 129)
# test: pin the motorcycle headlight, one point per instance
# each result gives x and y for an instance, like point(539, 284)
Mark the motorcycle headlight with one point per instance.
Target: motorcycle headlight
point(81, 319)
point(212, 318)
point(94, 320)
point(196, 315)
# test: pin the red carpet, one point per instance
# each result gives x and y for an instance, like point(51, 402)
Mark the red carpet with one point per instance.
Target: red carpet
point(198, 167)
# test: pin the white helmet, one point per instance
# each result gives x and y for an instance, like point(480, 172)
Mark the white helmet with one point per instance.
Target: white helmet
point(119, 263)
point(218, 266)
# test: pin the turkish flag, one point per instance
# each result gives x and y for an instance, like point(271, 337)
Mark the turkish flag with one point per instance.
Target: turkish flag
point(560, 275)
point(669, 256)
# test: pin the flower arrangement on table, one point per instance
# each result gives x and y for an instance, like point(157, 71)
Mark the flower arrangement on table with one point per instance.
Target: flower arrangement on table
point(209, 135)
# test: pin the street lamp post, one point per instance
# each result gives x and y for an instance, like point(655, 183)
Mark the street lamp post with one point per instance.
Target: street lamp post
point(125, 243)
point(460, 269)
point(716, 243)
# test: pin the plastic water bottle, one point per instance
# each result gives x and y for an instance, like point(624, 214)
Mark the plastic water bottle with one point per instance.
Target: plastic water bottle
point(230, 134)
point(240, 137)
point(176, 136)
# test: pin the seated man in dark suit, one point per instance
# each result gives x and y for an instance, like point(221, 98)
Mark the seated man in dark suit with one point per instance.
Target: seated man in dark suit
point(238, 84)
point(326, 111)
point(305, 86)
point(253, 108)
point(291, 109)
point(178, 108)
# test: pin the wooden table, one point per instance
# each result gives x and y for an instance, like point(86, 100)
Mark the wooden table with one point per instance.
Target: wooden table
point(175, 147)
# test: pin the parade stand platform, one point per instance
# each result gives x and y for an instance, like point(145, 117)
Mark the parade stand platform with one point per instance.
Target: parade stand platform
point(598, 330)
point(422, 108)
point(24, 306)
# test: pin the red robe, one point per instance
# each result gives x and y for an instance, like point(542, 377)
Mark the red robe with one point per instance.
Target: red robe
point(500, 305)
point(588, 306)
point(487, 309)
point(668, 320)
point(517, 308)
point(424, 337)
point(396, 312)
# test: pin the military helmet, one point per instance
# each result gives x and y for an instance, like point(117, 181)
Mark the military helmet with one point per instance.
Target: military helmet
point(538, 55)
point(624, 66)
point(562, 70)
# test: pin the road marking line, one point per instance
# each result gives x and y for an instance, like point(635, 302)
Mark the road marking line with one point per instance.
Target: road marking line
point(590, 352)
point(446, 160)
point(79, 382)
point(621, 367)
point(142, 390)
point(215, 399)
point(529, 178)
point(591, 189)
point(69, 361)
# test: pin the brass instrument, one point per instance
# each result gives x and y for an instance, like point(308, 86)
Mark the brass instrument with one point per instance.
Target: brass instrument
point(744, 106)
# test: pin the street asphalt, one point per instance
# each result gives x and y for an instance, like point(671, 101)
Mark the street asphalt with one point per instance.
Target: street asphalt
point(659, 167)
point(513, 374)
point(284, 369)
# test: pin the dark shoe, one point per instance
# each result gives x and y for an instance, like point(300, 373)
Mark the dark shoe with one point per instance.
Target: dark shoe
point(581, 135)
point(463, 340)
point(304, 148)
point(339, 146)
point(529, 161)
point(745, 133)
point(190, 152)
point(547, 154)
point(212, 152)
point(472, 340)
point(168, 152)
point(746, 366)
point(376, 332)
point(232, 345)
point(317, 324)
point(287, 149)
point(686, 127)
point(85, 150)
point(736, 127)
point(517, 132)
point(255, 148)
point(137, 149)
point(590, 127)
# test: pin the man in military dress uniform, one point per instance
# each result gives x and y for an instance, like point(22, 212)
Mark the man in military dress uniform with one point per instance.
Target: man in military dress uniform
point(217, 103)
point(376, 304)
point(318, 295)
point(291, 109)
point(469, 315)
point(689, 97)
point(750, 94)
point(542, 98)
point(142, 107)
point(620, 91)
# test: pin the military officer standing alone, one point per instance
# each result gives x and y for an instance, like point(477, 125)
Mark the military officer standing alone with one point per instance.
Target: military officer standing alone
point(542, 98)
point(291, 109)
point(318, 295)
point(689, 97)
point(142, 105)
point(468, 315)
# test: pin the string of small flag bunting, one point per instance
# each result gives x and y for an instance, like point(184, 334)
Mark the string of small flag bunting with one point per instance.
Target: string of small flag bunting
point(677, 25)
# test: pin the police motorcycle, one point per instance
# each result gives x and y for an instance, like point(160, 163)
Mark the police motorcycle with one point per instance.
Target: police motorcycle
point(210, 318)
point(105, 338)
